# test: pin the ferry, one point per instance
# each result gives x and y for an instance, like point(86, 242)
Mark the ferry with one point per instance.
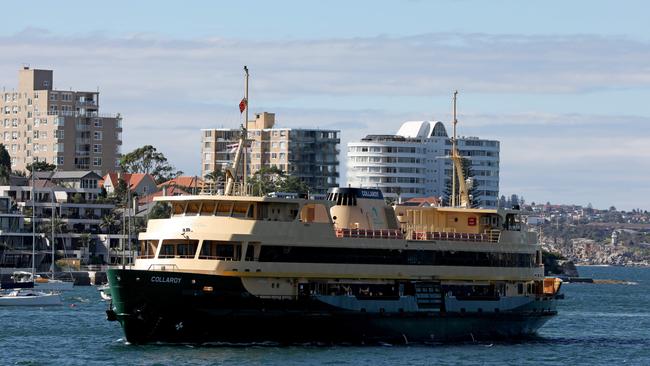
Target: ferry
point(348, 269)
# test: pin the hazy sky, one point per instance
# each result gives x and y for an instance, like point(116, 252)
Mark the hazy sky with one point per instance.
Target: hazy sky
point(565, 86)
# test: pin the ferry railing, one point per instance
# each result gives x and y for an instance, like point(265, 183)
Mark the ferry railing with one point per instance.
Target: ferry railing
point(370, 234)
point(412, 233)
point(419, 232)
point(163, 267)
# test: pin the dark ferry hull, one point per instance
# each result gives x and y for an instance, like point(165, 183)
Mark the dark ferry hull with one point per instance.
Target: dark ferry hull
point(155, 306)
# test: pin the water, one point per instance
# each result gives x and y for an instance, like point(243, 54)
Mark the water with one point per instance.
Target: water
point(599, 324)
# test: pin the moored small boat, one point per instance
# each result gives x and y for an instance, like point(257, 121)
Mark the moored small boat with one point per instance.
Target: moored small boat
point(26, 297)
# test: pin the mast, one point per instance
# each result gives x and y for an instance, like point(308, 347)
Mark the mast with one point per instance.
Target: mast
point(231, 172)
point(245, 132)
point(33, 222)
point(53, 239)
point(457, 169)
point(453, 153)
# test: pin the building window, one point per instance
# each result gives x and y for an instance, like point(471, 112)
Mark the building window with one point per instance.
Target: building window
point(59, 160)
point(97, 135)
point(60, 134)
point(98, 122)
point(97, 148)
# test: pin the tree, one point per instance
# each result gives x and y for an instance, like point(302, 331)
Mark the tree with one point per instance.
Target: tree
point(148, 160)
point(58, 224)
point(272, 179)
point(41, 166)
point(215, 176)
point(108, 222)
point(160, 210)
point(5, 165)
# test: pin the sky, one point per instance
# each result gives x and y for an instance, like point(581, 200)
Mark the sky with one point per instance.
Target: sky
point(565, 86)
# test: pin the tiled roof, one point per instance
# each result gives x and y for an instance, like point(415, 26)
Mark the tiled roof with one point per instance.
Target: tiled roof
point(170, 191)
point(184, 181)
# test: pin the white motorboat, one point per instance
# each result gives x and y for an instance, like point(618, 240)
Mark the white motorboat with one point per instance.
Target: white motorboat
point(104, 292)
point(27, 297)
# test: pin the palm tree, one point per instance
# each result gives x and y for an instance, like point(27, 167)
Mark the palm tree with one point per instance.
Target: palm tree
point(217, 177)
point(108, 222)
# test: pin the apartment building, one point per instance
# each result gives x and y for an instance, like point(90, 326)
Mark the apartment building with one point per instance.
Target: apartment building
point(309, 154)
point(73, 199)
point(60, 127)
point(415, 162)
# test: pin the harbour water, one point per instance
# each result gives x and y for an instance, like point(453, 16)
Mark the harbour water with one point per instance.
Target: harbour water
point(598, 324)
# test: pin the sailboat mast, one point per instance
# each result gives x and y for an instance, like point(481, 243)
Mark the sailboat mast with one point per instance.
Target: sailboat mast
point(33, 223)
point(53, 239)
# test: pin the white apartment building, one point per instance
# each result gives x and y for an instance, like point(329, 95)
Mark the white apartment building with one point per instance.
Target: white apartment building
point(415, 162)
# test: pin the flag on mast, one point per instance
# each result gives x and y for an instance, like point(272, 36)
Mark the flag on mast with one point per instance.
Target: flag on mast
point(242, 105)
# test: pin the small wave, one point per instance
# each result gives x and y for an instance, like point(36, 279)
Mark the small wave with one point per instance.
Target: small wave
point(615, 282)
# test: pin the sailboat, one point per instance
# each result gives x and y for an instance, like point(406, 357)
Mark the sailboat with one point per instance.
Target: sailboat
point(49, 283)
point(30, 297)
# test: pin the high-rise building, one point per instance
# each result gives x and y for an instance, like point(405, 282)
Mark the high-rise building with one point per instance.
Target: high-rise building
point(60, 127)
point(415, 163)
point(309, 154)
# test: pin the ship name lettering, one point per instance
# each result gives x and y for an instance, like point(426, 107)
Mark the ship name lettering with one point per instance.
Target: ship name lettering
point(166, 279)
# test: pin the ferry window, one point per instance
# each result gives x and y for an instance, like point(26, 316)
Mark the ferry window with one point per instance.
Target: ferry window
point(221, 250)
point(240, 209)
point(167, 251)
point(178, 208)
point(187, 250)
point(224, 208)
point(208, 208)
point(178, 248)
point(192, 208)
point(148, 248)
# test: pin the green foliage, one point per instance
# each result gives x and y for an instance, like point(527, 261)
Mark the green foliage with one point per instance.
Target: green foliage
point(120, 192)
point(215, 176)
point(5, 165)
point(41, 166)
point(148, 160)
point(109, 223)
point(272, 179)
point(160, 210)
point(78, 198)
point(551, 262)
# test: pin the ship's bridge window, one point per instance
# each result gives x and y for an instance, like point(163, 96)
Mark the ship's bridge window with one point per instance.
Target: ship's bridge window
point(178, 248)
point(242, 209)
point(148, 248)
point(224, 208)
point(192, 208)
point(178, 208)
point(314, 212)
point(221, 250)
point(207, 208)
